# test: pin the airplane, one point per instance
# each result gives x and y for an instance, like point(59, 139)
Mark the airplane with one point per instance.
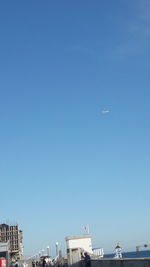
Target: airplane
point(105, 111)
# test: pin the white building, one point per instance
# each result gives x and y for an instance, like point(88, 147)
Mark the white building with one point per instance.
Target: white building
point(76, 245)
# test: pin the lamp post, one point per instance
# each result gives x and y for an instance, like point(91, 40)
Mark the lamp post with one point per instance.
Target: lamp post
point(56, 244)
point(42, 252)
point(48, 254)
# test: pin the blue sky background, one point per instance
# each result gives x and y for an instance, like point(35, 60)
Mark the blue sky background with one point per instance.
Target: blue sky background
point(63, 164)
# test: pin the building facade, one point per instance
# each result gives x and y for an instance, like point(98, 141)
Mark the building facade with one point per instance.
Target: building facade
point(14, 235)
point(76, 246)
point(5, 251)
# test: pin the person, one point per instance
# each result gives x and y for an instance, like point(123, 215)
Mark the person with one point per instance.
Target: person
point(44, 262)
point(118, 250)
point(16, 264)
point(87, 260)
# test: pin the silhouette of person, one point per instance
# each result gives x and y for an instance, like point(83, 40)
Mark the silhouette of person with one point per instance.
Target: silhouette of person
point(87, 260)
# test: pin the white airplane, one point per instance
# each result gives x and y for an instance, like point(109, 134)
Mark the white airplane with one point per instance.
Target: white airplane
point(105, 111)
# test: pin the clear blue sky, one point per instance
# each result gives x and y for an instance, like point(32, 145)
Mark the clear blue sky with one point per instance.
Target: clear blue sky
point(63, 163)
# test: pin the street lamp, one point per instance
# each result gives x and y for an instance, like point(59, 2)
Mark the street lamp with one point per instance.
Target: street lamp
point(48, 251)
point(56, 244)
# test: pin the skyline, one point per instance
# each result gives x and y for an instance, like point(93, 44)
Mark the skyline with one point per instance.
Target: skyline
point(64, 163)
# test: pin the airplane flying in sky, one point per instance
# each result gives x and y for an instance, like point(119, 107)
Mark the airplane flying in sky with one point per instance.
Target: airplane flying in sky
point(105, 111)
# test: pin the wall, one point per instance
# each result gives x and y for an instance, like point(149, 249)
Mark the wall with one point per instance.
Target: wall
point(145, 262)
point(121, 263)
point(83, 241)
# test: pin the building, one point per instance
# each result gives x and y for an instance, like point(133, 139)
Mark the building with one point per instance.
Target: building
point(76, 245)
point(14, 235)
point(5, 251)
